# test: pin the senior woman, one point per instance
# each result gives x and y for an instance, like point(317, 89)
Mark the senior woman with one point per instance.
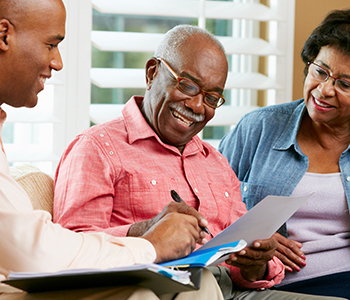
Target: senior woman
point(302, 147)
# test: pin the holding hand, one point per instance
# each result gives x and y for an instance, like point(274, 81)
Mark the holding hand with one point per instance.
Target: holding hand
point(252, 261)
point(139, 229)
point(174, 236)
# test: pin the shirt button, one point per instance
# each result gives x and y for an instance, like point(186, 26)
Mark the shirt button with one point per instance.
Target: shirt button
point(107, 144)
point(226, 194)
point(149, 257)
point(348, 178)
point(102, 135)
point(195, 190)
point(245, 189)
point(154, 182)
point(111, 152)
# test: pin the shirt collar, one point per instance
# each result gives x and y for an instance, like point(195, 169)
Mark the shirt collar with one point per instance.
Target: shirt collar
point(138, 129)
point(288, 137)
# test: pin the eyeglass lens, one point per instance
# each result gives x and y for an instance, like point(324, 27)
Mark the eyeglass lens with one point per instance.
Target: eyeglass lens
point(322, 74)
point(190, 88)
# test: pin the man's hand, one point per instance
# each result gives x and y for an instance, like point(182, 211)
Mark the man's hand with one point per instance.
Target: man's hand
point(252, 261)
point(174, 236)
point(288, 251)
point(139, 229)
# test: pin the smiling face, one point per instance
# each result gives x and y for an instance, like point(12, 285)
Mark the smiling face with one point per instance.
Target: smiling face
point(174, 116)
point(29, 50)
point(324, 103)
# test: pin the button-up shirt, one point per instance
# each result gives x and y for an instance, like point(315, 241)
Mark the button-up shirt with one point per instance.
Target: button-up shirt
point(120, 172)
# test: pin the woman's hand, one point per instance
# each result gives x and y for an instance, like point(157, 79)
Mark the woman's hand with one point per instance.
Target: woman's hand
point(288, 251)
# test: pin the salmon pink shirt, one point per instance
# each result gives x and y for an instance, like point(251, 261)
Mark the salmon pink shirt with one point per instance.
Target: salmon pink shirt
point(118, 173)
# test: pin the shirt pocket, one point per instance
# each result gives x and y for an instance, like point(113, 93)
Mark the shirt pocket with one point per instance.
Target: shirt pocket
point(220, 209)
point(149, 194)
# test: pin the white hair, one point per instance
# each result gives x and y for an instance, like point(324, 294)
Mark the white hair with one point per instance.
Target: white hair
point(177, 36)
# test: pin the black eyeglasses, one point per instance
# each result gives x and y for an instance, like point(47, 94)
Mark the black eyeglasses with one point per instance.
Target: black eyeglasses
point(189, 88)
point(321, 74)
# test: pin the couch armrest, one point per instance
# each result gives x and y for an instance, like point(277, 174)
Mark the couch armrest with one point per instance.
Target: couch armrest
point(38, 185)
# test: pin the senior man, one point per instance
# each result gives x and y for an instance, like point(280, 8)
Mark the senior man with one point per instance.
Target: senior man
point(116, 177)
point(30, 32)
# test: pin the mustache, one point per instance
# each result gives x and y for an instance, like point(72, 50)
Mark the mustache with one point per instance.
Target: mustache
point(186, 112)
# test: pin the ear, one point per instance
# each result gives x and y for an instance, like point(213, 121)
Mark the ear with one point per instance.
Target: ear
point(5, 30)
point(152, 66)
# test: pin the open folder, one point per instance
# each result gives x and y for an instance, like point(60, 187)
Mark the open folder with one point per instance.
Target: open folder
point(155, 277)
point(259, 223)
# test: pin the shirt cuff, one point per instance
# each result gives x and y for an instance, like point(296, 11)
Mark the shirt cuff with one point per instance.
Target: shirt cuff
point(141, 249)
point(274, 276)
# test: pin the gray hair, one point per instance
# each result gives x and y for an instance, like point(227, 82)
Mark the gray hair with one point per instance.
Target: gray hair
point(177, 36)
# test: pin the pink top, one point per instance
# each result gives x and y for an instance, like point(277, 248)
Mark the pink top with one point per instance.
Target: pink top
point(120, 172)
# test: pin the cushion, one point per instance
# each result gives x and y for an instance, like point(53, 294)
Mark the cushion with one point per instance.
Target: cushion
point(38, 185)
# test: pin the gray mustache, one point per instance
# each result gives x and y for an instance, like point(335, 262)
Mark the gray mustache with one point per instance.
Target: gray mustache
point(186, 112)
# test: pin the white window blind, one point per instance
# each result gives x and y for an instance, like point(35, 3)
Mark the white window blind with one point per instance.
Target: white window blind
point(107, 45)
point(121, 28)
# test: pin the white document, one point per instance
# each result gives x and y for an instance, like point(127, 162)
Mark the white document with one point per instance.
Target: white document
point(261, 222)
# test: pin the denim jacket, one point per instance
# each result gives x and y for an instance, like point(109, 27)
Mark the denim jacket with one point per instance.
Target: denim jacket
point(263, 152)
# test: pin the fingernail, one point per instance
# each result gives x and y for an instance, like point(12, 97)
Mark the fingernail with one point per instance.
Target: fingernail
point(289, 269)
point(296, 268)
point(204, 222)
point(242, 252)
point(257, 245)
point(303, 256)
point(303, 262)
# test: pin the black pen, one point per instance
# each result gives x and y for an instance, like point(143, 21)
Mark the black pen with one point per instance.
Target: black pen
point(178, 199)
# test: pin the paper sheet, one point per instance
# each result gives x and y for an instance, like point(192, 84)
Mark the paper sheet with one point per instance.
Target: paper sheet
point(261, 222)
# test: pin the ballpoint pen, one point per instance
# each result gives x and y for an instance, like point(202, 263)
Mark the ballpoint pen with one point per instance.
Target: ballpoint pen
point(178, 199)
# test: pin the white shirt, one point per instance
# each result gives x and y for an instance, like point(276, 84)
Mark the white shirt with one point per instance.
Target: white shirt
point(32, 243)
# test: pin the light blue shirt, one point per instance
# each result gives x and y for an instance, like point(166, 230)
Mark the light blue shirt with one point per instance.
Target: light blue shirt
point(263, 152)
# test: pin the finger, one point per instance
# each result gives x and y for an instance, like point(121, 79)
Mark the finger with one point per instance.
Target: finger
point(188, 210)
point(202, 241)
point(291, 244)
point(266, 245)
point(290, 258)
point(191, 223)
point(289, 264)
point(291, 250)
point(256, 255)
point(238, 260)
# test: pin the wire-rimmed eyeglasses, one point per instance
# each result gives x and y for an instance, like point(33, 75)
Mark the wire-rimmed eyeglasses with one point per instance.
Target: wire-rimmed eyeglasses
point(321, 74)
point(189, 88)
